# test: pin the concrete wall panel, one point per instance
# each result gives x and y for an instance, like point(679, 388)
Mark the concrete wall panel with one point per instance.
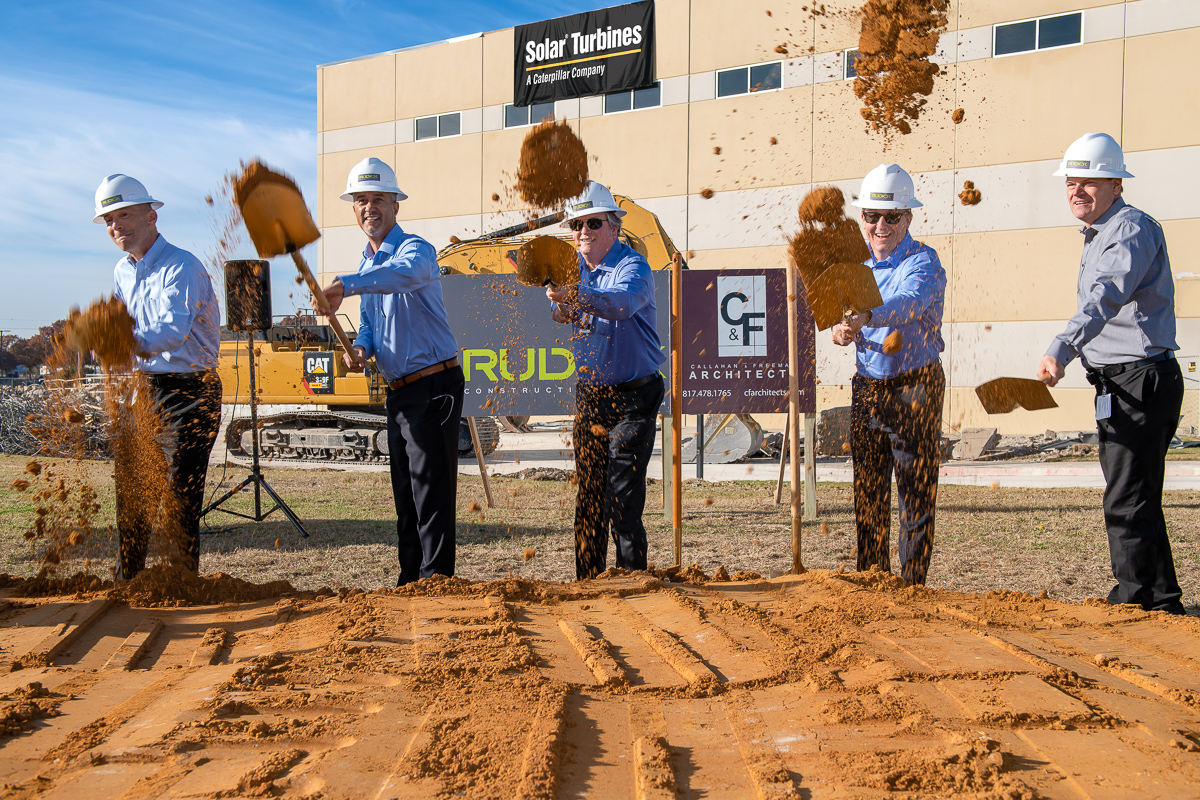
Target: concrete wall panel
point(989, 12)
point(498, 67)
point(728, 34)
point(434, 80)
point(358, 93)
point(1159, 111)
point(743, 127)
point(632, 163)
point(331, 210)
point(1028, 107)
point(441, 177)
point(1014, 276)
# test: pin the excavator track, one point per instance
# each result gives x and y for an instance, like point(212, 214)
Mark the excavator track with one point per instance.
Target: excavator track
point(336, 436)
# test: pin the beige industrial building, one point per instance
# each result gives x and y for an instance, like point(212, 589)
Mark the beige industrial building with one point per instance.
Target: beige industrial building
point(1030, 76)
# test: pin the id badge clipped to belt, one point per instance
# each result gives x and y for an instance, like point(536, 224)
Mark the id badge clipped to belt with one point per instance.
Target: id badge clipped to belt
point(1103, 406)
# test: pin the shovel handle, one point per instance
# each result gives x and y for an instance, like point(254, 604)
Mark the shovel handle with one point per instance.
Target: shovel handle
point(306, 273)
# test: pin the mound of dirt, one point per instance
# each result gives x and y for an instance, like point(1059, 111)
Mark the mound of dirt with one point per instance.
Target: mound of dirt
point(165, 586)
point(46, 585)
point(543, 474)
point(826, 236)
point(553, 166)
point(895, 74)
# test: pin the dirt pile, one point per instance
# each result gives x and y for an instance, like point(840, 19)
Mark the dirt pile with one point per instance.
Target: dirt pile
point(895, 75)
point(553, 166)
point(826, 236)
point(166, 585)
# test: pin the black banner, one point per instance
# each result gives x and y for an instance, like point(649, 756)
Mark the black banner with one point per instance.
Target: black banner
point(610, 50)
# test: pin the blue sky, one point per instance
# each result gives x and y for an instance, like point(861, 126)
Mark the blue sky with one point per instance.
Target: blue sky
point(174, 94)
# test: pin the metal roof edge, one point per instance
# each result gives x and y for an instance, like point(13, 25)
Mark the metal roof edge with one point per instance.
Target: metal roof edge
point(410, 48)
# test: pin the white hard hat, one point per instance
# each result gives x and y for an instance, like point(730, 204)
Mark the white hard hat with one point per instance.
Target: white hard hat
point(121, 191)
point(371, 175)
point(887, 186)
point(1093, 155)
point(596, 199)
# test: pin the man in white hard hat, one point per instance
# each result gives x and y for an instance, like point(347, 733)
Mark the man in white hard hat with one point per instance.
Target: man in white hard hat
point(619, 390)
point(177, 329)
point(403, 325)
point(896, 393)
point(1124, 334)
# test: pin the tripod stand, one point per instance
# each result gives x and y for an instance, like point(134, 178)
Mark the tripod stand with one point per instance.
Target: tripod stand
point(248, 298)
point(255, 477)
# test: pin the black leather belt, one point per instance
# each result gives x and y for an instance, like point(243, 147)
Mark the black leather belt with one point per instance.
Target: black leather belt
point(635, 383)
point(1112, 370)
point(909, 378)
point(179, 377)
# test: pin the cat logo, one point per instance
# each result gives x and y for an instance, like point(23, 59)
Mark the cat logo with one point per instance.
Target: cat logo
point(318, 373)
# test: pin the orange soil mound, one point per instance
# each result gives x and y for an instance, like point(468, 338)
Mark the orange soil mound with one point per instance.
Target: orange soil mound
point(894, 72)
point(553, 166)
point(826, 236)
point(165, 585)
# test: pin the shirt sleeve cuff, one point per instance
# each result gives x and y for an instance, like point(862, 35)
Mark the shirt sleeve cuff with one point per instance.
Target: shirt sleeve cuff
point(351, 284)
point(1062, 351)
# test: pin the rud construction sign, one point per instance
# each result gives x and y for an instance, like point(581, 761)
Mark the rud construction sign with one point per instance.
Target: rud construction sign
point(611, 50)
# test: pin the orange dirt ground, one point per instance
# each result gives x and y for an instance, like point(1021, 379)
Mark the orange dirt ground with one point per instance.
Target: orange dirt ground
point(628, 686)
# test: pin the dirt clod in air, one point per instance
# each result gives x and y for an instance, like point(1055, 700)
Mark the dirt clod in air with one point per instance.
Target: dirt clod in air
point(529, 553)
point(774, 140)
point(895, 75)
point(892, 343)
point(495, 197)
point(105, 328)
point(826, 236)
point(707, 193)
point(781, 49)
point(553, 166)
point(958, 116)
point(717, 150)
point(969, 196)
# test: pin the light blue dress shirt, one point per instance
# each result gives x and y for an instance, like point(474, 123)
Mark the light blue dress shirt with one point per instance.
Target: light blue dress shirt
point(912, 284)
point(616, 339)
point(402, 314)
point(175, 313)
point(1125, 293)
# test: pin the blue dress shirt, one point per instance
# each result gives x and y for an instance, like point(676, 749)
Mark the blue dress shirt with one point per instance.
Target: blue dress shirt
point(175, 313)
point(1125, 293)
point(616, 339)
point(912, 284)
point(402, 314)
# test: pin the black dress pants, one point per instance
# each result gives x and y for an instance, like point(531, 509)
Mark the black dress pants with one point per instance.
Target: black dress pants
point(422, 428)
point(1133, 449)
point(614, 439)
point(188, 412)
point(896, 423)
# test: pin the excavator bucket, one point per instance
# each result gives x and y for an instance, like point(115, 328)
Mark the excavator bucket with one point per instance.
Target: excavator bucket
point(274, 211)
point(842, 289)
point(545, 260)
point(1003, 395)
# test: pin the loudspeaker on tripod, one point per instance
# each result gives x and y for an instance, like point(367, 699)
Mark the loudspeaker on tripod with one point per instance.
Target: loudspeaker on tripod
point(248, 295)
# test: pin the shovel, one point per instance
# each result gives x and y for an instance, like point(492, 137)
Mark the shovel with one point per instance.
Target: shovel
point(279, 223)
point(1003, 395)
point(841, 291)
point(547, 261)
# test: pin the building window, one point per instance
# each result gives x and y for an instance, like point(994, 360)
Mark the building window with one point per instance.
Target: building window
point(848, 69)
point(759, 78)
point(632, 101)
point(1038, 34)
point(516, 116)
point(439, 126)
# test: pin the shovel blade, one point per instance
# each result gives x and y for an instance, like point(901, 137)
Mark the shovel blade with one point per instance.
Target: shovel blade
point(1002, 395)
point(547, 259)
point(844, 288)
point(274, 211)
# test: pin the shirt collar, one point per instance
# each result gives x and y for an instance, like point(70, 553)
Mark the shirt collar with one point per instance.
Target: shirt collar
point(152, 254)
point(1097, 226)
point(902, 251)
point(390, 243)
point(613, 257)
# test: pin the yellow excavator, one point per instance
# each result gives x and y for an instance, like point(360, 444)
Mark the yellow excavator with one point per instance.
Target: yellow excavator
point(347, 423)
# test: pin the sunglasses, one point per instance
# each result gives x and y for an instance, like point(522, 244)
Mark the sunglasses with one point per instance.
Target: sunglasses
point(594, 224)
point(892, 217)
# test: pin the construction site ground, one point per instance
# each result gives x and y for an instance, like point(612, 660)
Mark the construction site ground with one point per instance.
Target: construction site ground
point(830, 684)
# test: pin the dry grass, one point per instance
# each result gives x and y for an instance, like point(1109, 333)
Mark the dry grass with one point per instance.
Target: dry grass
point(1021, 539)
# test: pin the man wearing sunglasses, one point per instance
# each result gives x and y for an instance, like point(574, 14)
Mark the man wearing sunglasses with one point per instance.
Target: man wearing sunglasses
point(1124, 334)
point(619, 391)
point(897, 391)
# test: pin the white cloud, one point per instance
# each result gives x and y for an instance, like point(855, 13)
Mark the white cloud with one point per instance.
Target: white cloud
point(57, 143)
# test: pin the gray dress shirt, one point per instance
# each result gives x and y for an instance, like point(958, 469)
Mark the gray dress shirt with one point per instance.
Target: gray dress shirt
point(1126, 297)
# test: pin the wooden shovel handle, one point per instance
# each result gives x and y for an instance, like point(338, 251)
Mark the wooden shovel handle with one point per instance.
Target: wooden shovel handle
point(306, 273)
